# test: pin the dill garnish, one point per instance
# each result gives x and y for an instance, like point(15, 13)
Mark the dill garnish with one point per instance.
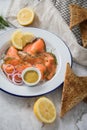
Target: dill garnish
point(3, 23)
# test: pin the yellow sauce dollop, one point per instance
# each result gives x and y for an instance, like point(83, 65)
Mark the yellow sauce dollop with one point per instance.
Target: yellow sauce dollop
point(31, 76)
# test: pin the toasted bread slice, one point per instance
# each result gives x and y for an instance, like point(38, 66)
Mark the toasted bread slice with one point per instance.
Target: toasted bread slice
point(77, 15)
point(83, 28)
point(74, 90)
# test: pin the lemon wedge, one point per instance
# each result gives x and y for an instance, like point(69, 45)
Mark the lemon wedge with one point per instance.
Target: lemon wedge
point(25, 16)
point(20, 39)
point(27, 37)
point(17, 39)
point(44, 110)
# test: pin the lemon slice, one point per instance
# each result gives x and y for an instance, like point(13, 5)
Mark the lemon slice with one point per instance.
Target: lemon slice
point(44, 110)
point(17, 39)
point(25, 16)
point(27, 38)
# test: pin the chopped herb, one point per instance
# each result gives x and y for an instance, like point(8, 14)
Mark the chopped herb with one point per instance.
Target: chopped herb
point(3, 23)
point(54, 57)
point(2, 26)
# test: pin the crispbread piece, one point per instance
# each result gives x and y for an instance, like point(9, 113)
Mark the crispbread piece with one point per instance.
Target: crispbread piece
point(74, 90)
point(77, 15)
point(83, 28)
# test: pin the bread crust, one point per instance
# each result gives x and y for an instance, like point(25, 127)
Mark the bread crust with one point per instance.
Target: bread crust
point(74, 90)
point(77, 15)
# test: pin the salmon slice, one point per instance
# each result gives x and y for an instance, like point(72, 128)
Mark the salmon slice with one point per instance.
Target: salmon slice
point(8, 68)
point(51, 64)
point(19, 68)
point(42, 69)
point(12, 56)
point(36, 47)
point(49, 59)
point(27, 48)
point(12, 52)
point(30, 59)
point(51, 72)
point(12, 61)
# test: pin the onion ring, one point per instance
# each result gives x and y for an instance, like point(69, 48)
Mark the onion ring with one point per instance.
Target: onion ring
point(17, 81)
point(7, 65)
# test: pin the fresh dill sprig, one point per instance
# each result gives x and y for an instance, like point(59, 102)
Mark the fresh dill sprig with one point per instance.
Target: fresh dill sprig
point(2, 26)
point(3, 23)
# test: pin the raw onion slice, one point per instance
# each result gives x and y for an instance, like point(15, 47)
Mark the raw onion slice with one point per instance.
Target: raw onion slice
point(9, 76)
point(17, 83)
point(16, 78)
point(8, 69)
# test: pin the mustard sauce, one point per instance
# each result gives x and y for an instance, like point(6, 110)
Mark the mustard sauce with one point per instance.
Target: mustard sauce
point(31, 76)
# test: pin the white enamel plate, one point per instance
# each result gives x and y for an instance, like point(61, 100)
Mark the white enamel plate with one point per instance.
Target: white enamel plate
point(53, 44)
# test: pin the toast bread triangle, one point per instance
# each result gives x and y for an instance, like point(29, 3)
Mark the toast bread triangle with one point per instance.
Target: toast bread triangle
point(77, 15)
point(83, 28)
point(74, 90)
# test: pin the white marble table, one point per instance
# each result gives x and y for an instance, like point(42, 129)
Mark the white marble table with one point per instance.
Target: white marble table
point(16, 113)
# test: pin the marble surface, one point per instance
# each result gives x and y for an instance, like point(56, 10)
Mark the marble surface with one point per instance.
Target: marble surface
point(16, 113)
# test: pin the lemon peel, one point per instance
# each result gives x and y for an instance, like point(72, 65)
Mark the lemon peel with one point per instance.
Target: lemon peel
point(44, 110)
point(25, 16)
